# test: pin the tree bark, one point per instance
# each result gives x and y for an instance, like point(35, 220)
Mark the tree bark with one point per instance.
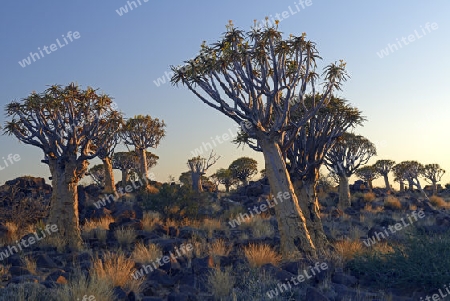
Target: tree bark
point(309, 204)
point(109, 176)
point(386, 182)
point(125, 177)
point(434, 188)
point(64, 202)
point(295, 238)
point(344, 193)
point(402, 186)
point(227, 188)
point(370, 185)
point(197, 182)
point(143, 162)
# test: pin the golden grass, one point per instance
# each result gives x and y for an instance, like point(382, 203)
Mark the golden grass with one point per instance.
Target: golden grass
point(146, 254)
point(210, 225)
point(221, 282)
point(348, 249)
point(101, 234)
point(150, 219)
point(55, 240)
point(102, 223)
point(30, 263)
point(219, 248)
point(13, 231)
point(261, 227)
point(125, 236)
point(369, 197)
point(392, 202)
point(116, 268)
point(80, 285)
point(260, 254)
point(438, 201)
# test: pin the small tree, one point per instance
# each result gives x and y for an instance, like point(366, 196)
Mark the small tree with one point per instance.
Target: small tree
point(383, 167)
point(225, 177)
point(367, 174)
point(65, 122)
point(411, 171)
point(198, 167)
point(125, 162)
point(243, 169)
point(143, 132)
point(433, 174)
point(345, 157)
point(399, 173)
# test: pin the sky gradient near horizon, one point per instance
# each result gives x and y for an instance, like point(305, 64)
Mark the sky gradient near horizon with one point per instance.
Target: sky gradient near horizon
point(397, 54)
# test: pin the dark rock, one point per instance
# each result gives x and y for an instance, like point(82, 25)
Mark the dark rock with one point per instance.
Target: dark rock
point(312, 294)
point(161, 277)
point(18, 271)
point(44, 261)
point(119, 293)
point(177, 297)
point(341, 278)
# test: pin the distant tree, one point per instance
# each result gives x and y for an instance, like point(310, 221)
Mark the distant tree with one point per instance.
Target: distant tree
point(151, 161)
point(384, 167)
point(411, 171)
point(143, 132)
point(345, 157)
point(243, 169)
point(399, 174)
point(246, 76)
point(97, 173)
point(367, 173)
point(433, 174)
point(225, 177)
point(65, 122)
point(125, 162)
point(198, 167)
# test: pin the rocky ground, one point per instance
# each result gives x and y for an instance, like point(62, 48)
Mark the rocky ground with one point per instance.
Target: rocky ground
point(208, 259)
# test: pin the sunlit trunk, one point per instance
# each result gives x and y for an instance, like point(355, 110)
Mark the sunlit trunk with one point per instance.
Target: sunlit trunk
point(109, 176)
point(295, 238)
point(125, 177)
point(386, 182)
point(197, 182)
point(142, 162)
point(64, 202)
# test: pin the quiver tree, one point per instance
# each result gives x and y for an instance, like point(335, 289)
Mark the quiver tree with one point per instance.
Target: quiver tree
point(65, 123)
point(433, 174)
point(308, 151)
point(198, 167)
point(125, 162)
point(97, 173)
point(345, 157)
point(246, 76)
point(399, 174)
point(109, 140)
point(411, 171)
point(243, 169)
point(150, 160)
point(384, 167)
point(225, 177)
point(367, 173)
point(143, 132)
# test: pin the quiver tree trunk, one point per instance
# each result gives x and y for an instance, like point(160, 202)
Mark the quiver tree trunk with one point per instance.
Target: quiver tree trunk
point(434, 185)
point(64, 202)
point(197, 182)
point(125, 177)
point(109, 176)
point(370, 183)
point(142, 162)
point(344, 192)
point(295, 238)
point(386, 182)
point(402, 186)
point(309, 204)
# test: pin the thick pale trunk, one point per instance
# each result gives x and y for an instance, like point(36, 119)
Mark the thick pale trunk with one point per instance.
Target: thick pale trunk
point(344, 193)
point(309, 203)
point(295, 238)
point(197, 182)
point(370, 185)
point(143, 162)
point(227, 188)
point(434, 188)
point(386, 182)
point(402, 186)
point(109, 176)
point(64, 202)
point(411, 185)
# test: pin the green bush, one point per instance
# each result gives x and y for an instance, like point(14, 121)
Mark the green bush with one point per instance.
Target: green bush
point(422, 263)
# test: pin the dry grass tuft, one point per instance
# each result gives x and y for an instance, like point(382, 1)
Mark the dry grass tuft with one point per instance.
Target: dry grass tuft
point(13, 231)
point(146, 254)
point(30, 263)
point(348, 249)
point(221, 282)
point(258, 255)
point(438, 201)
point(210, 225)
point(219, 248)
point(150, 219)
point(369, 197)
point(392, 202)
point(125, 236)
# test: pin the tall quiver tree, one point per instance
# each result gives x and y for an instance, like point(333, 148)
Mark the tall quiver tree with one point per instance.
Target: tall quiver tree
point(143, 132)
point(306, 155)
point(399, 174)
point(246, 75)
point(433, 174)
point(411, 171)
point(345, 157)
point(368, 173)
point(384, 167)
point(108, 141)
point(125, 162)
point(243, 168)
point(64, 122)
point(198, 167)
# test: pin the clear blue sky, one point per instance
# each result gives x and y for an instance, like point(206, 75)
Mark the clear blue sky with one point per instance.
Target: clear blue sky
point(404, 94)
